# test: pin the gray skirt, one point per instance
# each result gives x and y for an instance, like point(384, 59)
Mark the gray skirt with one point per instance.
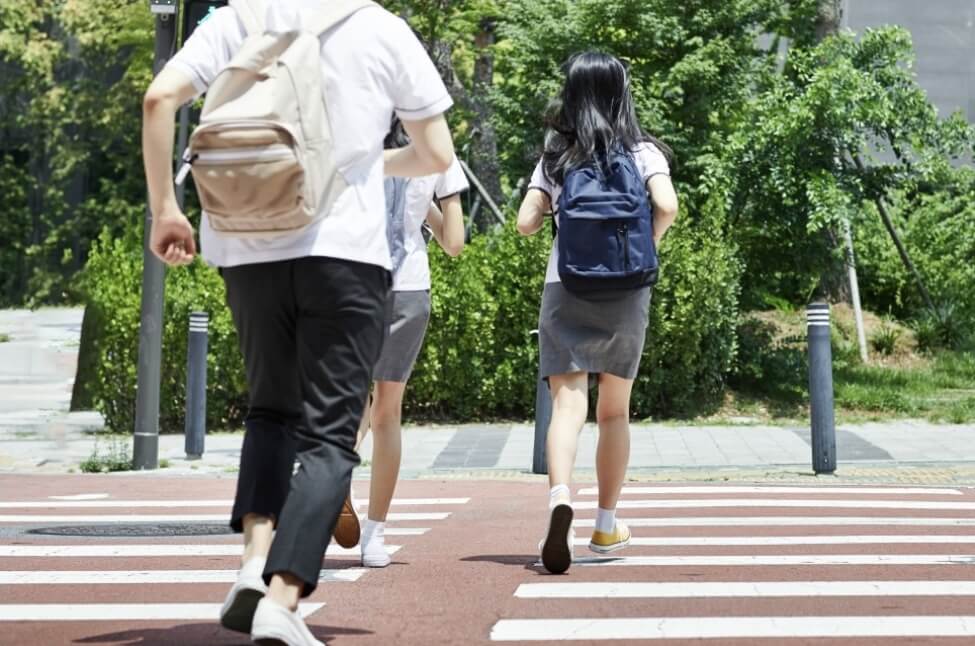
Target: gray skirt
point(407, 315)
point(579, 335)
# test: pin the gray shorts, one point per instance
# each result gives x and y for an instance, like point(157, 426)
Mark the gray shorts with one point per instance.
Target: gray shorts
point(407, 315)
point(579, 335)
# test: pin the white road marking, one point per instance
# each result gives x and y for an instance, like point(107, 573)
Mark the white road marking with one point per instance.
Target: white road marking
point(80, 577)
point(44, 519)
point(178, 504)
point(712, 541)
point(785, 521)
point(706, 489)
point(731, 628)
point(778, 559)
point(121, 611)
point(634, 590)
point(736, 503)
point(159, 549)
point(81, 496)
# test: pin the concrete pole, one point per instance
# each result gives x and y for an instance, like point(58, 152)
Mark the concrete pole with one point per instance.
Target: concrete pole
point(145, 448)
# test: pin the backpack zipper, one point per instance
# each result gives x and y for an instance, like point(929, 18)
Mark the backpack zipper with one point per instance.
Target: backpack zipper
point(622, 232)
point(263, 153)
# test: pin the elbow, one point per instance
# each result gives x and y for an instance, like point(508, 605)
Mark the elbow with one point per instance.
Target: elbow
point(454, 249)
point(523, 228)
point(156, 99)
point(441, 160)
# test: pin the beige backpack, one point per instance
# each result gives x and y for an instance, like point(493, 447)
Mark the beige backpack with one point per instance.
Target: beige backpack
point(262, 156)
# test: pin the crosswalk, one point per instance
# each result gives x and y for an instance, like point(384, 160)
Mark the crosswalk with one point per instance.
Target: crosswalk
point(93, 580)
point(742, 563)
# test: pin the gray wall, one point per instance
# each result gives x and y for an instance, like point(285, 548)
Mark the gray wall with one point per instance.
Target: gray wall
point(944, 39)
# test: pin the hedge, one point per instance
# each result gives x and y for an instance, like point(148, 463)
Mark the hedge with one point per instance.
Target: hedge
point(479, 360)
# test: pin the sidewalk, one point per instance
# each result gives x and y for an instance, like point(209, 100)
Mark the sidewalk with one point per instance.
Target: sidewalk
point(37, 434)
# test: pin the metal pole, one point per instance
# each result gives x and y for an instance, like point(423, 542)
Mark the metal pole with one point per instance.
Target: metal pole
point(543, 417)
point(851, 267)
point(196, 385)
point(145, 449)
point(821, 389)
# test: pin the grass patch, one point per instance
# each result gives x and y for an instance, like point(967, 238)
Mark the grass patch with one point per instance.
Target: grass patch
point(4, 337)
point(116, 457)
point(770, 380)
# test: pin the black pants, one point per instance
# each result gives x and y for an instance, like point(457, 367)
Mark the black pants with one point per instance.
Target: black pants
point(310, 331)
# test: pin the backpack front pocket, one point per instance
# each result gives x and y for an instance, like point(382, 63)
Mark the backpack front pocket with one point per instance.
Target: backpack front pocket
point(248, 179)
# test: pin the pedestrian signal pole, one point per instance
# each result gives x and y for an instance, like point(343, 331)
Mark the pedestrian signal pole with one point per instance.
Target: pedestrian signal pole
point(145, 446)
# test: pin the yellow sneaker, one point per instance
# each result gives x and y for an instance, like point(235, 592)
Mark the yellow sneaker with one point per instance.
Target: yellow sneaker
point(604, 543)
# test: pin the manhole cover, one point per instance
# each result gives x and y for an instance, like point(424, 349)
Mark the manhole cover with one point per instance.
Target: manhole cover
point(166, 529)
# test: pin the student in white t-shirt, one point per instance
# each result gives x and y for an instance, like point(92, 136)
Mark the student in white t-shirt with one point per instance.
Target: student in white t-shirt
point(308, 307)
point(595, 334)
point(409, 205)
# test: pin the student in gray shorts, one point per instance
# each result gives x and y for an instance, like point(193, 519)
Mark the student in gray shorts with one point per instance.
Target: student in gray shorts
point(409, 204)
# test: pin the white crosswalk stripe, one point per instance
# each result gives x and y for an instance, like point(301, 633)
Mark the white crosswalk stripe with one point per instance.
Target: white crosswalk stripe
point(786, 521)
point(732, 628)
point(694, 590)
point(771, 489)
point(188, 562)
point(737, 555)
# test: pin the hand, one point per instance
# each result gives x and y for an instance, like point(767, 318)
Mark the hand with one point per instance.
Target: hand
point(171, 238)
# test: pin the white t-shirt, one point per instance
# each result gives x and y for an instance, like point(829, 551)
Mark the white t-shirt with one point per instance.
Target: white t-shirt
point(372, 64)
point(411, 267)
point(650, 161)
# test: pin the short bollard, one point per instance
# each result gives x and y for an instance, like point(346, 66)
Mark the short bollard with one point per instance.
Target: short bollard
point(543, 415)
point(196, 385)
point(821, 389)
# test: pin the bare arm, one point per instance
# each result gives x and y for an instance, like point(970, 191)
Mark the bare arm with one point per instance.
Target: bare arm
point(431, 150)
point(171, 238)
point(448, 226)
point(531, 215)
point(665, 206)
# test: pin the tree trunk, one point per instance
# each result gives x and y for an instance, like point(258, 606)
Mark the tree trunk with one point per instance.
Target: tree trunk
point(484, 146)
point(901, 249)
point(829, 18)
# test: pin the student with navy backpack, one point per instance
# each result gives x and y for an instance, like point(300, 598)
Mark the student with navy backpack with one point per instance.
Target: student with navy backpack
point(608, 185)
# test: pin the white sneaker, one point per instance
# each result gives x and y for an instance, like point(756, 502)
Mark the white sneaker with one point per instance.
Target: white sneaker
point(373, 545)
point(275, 625)
point(238, 609)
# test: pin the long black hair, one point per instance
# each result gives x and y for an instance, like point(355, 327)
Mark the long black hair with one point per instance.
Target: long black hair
point(396, 137)
point(593, 114)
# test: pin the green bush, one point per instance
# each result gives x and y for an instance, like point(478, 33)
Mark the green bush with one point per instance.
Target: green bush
point(691, 339)
point(479, 360)
point(112, 284)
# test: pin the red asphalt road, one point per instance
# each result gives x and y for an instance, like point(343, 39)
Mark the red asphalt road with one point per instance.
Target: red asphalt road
point(452, 584)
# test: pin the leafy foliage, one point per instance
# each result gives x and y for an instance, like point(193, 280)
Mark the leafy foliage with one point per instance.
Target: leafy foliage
point(112, 286)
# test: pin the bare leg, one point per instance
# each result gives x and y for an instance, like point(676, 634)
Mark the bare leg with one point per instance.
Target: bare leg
point(258, 531)
point(570, 405)
point(364, 424)
point(613, 450)
point(387, 408)
point(285, 590)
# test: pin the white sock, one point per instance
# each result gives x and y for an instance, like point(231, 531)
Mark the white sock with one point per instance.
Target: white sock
point(373, 530)
point(605, 520)
point(557, 494)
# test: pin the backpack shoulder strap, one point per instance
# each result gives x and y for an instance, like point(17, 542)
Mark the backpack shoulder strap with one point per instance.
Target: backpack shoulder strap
point(334, 13)
point(252, 13)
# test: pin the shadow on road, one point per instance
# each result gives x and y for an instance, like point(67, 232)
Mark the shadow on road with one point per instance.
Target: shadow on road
point(199, 634)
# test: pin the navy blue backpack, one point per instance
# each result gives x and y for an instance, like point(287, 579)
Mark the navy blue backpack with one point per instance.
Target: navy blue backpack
point(605, 227)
